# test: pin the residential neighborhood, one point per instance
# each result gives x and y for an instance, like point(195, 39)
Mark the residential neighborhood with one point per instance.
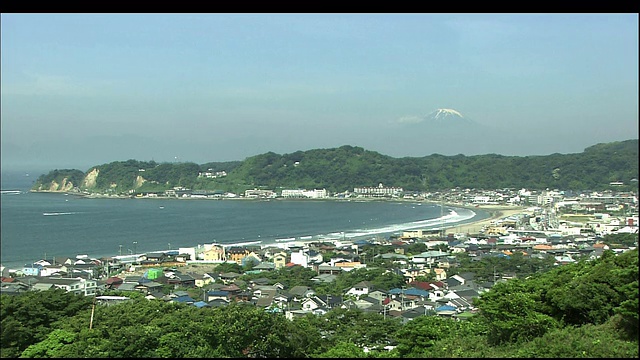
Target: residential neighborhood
point(561, 227)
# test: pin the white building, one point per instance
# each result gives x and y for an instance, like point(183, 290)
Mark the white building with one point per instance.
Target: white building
point(379, 191)
point(303, 193)
point(79, 286)
point(300, 258)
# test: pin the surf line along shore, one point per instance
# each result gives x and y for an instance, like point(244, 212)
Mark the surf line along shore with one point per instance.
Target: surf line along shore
point(495, 212)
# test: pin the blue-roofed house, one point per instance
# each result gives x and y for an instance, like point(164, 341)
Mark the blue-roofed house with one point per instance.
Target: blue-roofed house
point(417, 292)
point(217, 294)
point(446, 310)
point(32, 270)
point(185, 299)
point(201, 304)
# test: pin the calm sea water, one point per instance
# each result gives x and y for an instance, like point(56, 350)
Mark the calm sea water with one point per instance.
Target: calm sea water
point(104, 227)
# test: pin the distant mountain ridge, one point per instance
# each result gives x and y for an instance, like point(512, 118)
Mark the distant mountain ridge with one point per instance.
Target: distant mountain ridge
point(342, 169)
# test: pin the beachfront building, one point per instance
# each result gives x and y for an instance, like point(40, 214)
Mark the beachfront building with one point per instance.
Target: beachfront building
point(378, 192)
point(300, 258)
point(257, 193)
point(303, 193)
point(237, 253)
point(213, 253)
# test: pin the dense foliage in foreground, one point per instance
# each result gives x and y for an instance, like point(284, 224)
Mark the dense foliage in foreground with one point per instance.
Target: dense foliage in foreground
point(587, 309)
point(341, 169)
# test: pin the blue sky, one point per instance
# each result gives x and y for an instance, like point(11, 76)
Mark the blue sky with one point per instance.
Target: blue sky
point(85, 89)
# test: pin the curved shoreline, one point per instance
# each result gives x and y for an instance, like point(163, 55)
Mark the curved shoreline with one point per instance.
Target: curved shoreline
point(495, 212)
point(465, 226)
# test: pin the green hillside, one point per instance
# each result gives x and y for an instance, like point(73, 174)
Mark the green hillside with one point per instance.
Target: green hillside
point(346, 167)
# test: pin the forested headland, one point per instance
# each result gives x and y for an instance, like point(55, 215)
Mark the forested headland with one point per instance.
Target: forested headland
point(341, 169)
point(585, 309)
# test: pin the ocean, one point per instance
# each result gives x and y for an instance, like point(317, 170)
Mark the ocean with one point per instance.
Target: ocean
point(36, 226)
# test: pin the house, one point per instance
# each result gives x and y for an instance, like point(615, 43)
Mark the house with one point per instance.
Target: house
point(415, 293)
point(77, 285)
point(237, 253)
point(229, 277)
point(13, 288)
point(280, 260)
point(300, 292)
point(359, 289)
point(349, 265)
point(185, 299)
point(311, 303)
point(178, 279)
point(282, 300)
point(265, 266)
point(149, 286)
point(300, 258)
point(324, 278)
point(128, 286)
point(264, 291)
point(468, 294)
point(41, 287)
point(53, 270)
point(233, 289)
point(156, 257)
point(32, 269)
point(201, 304)
point(290, 314)
point(260, 281)
point(200, 280)
point(113, 282)
point(455, 280)
point(378, 295)
point(183, 257)
point(429, 257)
point(330, 300)
point(406, 302)
point(446, 310)
point(218, 302)
point(392, 304)
point(217, 294)
point(411, 314)
point(460, 304)
point(251, 257)
point(314, 256)
point(213, 253)
point(329, 269)
point(265, 301)
point(360, 304)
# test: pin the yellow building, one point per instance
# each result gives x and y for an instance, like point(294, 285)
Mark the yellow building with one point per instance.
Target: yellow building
point(280, 260)
point(215, 253)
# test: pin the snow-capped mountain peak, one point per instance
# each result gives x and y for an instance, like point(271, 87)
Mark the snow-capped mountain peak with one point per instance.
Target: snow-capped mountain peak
point(444, 113)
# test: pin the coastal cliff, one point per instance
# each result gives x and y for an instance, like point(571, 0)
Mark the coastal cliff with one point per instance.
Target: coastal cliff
point(66, 180)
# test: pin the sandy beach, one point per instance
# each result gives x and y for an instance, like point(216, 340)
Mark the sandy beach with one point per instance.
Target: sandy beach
point(496, 211)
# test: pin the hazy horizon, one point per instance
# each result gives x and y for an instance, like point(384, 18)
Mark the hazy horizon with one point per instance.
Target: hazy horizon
point(80, 90)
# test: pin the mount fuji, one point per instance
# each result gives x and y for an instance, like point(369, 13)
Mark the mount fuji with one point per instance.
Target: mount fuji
point(447, 118)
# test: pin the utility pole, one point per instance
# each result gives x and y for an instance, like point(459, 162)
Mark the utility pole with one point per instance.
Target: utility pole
point(93, 309)
point(442, 230)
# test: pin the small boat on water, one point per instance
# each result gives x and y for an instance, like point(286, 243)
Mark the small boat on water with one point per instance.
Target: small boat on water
point(58, 213)
point(161, 207)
